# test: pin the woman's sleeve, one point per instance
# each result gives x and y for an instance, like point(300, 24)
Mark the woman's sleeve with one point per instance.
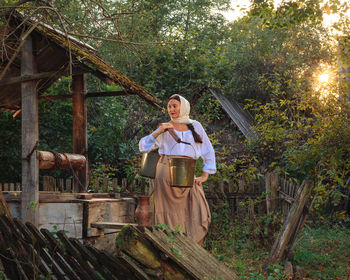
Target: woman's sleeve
point(148, 143)
point(207, 152)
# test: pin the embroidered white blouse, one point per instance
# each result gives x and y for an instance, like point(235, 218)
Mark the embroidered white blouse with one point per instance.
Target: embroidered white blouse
point(167, 146)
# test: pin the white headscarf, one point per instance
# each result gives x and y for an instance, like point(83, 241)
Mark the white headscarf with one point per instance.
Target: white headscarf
point(185, 107)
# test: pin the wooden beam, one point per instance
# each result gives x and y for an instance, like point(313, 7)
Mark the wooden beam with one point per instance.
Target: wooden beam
point(26, 78)
point(106, 225)
point(89, 94)
point(50, 160)
point(80, 145)
point(30, 138)
point(109, 93)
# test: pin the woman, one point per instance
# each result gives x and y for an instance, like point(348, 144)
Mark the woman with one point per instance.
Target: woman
point(173, 206)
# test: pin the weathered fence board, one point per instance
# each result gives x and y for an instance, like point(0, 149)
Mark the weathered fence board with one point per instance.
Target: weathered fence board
point(290, 226)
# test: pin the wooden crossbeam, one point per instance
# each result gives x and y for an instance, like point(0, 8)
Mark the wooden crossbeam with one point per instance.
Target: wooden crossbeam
point(286, 197)
point(89, 94)
point(26, 78)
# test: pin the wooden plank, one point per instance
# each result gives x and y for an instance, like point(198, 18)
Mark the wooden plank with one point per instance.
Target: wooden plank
point(18, 187)
point(69, 185)
point(45, 183)
point(30, 137)
point(110, 225)
point(237, 114)
point(31, 244)
point(45, 253)
point(271, 189)
point(80, 145)
point(106, 210)
point(286, 197)
point(88, 95)
point(56, 197)
point(11, 265)
point(21, 251)
point(60, 185)
point(124, 184)
point(6, 187)
point(281, 244)
point(62, 216)
point(119, 265)
point(105, 185)
point(132, 186)
point(96, 186)
point(115, 185)
point(88, 256)
point(65, 261)
point(26, 78)
point(221, 186)
point(86, 269)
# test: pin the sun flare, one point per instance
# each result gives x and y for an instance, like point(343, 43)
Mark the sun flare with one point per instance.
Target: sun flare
point(323, 78)
point(324, 82)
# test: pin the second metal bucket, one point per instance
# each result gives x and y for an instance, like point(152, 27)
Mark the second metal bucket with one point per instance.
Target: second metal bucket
point(182, 171)
point(149, 162)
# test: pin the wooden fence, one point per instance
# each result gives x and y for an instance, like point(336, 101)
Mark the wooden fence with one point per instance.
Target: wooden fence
point(113, 185)
point(280, 191)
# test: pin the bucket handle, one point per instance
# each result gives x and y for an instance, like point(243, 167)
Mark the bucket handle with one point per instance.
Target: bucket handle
point(186, 143)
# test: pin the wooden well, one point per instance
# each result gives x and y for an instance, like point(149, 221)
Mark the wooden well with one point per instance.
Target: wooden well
point(76, 212)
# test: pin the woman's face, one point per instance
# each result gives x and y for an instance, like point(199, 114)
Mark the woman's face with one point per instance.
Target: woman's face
point(174, 108)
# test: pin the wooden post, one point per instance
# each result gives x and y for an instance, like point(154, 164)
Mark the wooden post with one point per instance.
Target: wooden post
point(271, 190)
point(283, 241)
point(80, 129)
point(30, 138)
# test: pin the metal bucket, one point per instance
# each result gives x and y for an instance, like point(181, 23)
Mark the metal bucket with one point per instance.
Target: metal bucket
point(182, 171)
point(149, 162)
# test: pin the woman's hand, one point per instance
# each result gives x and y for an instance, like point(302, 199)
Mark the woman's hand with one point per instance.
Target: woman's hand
point(198, 181)
point(162, 128)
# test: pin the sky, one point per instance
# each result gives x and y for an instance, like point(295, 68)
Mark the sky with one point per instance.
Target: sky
point(240, 7)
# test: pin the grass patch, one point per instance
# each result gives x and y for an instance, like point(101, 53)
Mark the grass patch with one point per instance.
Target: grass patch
point(322, 252)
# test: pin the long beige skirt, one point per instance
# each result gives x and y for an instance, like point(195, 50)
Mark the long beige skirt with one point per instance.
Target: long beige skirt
point(179, 207)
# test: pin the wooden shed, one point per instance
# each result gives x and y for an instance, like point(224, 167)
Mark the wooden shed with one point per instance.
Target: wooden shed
point(33, 57)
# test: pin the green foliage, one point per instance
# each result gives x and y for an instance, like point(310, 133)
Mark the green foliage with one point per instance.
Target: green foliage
point(10, 148)
point(99, 173)
point(288, 13)
point(323, 251)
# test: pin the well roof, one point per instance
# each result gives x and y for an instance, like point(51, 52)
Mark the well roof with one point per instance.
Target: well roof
point(53, 51)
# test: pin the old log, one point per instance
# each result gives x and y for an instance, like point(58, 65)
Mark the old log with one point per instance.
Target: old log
point(170, 255)
point(283, 241)
point(56, 160)
point(131, 241)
